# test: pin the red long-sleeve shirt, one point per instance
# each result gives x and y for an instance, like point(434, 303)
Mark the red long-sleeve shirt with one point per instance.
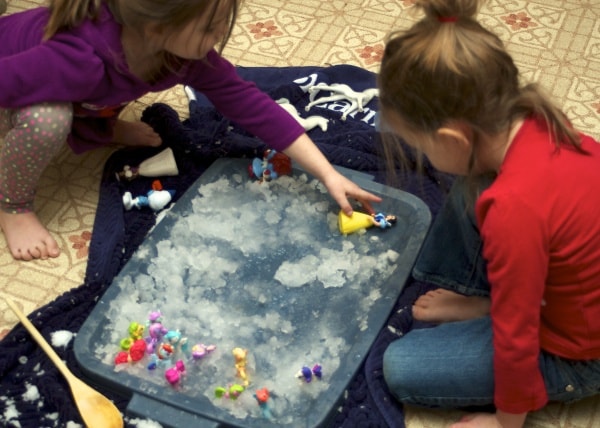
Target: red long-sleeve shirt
point(540, 225)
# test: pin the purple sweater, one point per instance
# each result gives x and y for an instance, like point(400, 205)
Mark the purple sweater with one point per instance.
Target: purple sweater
point(86, 66)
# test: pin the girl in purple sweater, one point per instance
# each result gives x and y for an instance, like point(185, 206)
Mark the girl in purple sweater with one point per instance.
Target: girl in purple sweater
point(69, 69)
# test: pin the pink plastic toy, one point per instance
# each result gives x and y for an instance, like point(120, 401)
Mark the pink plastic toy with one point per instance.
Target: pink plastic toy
point(174, 374)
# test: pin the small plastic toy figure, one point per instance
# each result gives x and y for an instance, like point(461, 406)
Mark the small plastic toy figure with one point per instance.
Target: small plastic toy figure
point(358, 221)
point(174, 374)
point(317, 370)
point(179, 343)
point(171, 347)
point(162, 356)
point(240, 356)
point(162, 164)
point(262, 397)
point(201, 350)
point(156, 199)
point(272, 165)
point(164, 351)
point(136, 330)
point(383, 221)
point(304, 373)
point(137, 350)
point(154, 316)
point(156, 331)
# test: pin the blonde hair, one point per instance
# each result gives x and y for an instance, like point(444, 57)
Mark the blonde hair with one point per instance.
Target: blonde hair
point(66, 14)
point(447, 67)
point(171, 15)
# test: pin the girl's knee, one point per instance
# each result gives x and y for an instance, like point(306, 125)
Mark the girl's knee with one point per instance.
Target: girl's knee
point(54, 120)
point(46, 121)
point(401, 371)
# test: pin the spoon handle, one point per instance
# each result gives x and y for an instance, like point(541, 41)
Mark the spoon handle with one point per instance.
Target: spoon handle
point(39, 338)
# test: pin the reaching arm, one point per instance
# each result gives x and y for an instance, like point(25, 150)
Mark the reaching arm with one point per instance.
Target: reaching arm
point(308, 155)
point(255, 111)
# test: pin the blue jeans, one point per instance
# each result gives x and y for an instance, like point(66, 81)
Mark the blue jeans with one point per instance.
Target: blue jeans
point(451, 365)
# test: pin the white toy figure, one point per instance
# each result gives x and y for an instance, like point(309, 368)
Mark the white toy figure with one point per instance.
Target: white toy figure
point(156, 199)
point(160, 165)
point(307, 123)
point(340, 91)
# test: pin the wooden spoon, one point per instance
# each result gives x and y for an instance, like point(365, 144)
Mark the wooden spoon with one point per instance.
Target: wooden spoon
point(95, 409)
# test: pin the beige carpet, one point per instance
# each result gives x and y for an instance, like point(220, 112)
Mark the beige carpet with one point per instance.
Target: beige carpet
point(555, 42)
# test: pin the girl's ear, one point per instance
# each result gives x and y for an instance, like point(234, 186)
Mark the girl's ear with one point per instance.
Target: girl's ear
point(456, 132)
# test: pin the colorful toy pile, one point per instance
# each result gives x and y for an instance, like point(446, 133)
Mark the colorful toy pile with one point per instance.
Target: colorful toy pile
point(160, 348)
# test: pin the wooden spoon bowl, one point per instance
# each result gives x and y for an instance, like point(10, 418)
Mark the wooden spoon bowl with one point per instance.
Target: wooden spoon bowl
point(95, 409)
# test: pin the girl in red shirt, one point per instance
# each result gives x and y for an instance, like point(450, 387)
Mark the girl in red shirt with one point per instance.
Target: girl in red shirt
point(515, 251)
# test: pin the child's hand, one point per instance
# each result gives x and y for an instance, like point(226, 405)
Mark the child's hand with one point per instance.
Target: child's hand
point(341, 188)
point(304, 151)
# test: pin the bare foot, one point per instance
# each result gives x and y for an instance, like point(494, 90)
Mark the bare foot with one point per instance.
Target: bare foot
point(27, 238)
point(135, 134)
point(442, 305)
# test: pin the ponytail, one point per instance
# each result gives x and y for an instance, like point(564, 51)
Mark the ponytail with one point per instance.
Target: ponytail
point(66, 14)
point(449, 11)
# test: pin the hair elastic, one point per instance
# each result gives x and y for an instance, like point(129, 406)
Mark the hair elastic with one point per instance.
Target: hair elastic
point(446, 19)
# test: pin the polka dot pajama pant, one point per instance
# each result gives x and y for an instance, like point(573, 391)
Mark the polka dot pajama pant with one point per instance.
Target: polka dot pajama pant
point(32, 137)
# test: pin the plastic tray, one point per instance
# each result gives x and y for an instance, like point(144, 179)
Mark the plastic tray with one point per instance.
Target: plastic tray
point(261, 266)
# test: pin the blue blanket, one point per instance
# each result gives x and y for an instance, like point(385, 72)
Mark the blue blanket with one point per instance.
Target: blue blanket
point(196, 142)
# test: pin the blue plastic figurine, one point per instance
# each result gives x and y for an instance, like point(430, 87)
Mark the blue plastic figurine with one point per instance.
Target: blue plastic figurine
point(384, 221)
